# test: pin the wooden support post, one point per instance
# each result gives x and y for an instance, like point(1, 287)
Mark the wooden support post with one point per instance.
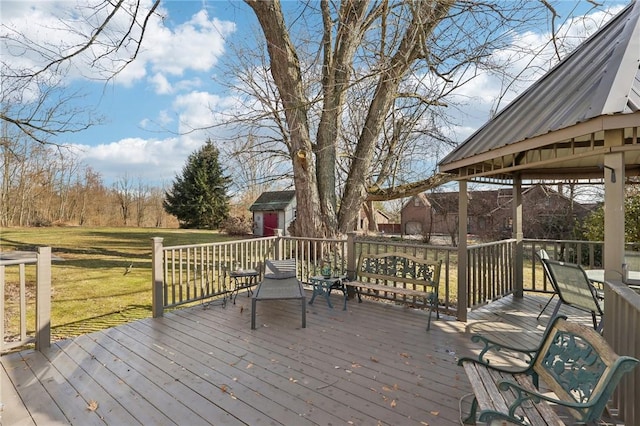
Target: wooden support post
point(278, 255)
point(463, 299)
point(43, 298)
point(614, 180)
point(351, 261)
point(518, 235)
point(157, 279)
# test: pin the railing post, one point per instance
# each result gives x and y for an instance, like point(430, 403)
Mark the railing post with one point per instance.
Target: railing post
point(279, 245)
point(351, 261)
point(43, 298)
point(463, 255)
point(157, 278)
point(351, 255)
point(2, 291)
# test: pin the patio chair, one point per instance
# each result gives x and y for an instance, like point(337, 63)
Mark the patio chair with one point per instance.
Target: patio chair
point(280, 283)
point(574, 288)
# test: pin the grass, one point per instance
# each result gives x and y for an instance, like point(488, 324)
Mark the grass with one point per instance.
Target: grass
point(90, 289)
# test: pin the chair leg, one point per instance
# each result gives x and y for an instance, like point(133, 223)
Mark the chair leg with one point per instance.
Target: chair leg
point(597, 326)
point(553, 315)
point(545, 306)
point(253, 313)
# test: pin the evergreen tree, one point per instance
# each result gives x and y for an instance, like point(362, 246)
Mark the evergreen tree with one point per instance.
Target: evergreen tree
point(198, 197)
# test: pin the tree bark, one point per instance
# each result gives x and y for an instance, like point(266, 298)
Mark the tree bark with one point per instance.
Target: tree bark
point(285, 69)
point(425, 18)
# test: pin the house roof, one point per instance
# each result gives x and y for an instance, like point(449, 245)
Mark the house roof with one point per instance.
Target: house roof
point(488, 201)
point(598, 84)
point(273, 201)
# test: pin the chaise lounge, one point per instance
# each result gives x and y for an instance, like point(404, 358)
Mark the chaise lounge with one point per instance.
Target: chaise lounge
point(280, 283)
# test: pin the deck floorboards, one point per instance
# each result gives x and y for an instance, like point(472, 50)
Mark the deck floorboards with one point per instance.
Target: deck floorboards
point(372, 364)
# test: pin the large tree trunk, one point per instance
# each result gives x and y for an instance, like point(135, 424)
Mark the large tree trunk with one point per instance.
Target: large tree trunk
point(336, 75)
point(285, 69)
point(425, 17)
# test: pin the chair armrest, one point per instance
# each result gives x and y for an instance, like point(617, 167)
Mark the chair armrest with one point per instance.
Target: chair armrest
point(523, 395)
point(490, 346)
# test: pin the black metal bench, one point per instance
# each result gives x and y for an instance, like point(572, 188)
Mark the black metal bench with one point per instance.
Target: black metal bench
point(573, 361)
point(399, 277)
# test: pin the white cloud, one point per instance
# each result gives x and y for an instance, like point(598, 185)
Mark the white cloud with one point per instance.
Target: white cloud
point(159, 160)
point(197, 109)
point(161, 84)
point(193, 45)
point(152, 160)
point(196, 44)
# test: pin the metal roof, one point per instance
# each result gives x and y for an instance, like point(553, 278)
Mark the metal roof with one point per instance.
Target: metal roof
point(601, 77)
point(273, 201)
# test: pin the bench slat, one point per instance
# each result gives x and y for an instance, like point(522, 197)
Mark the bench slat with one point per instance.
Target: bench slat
point(484, 384)
point(389, 289)
point(484, 388)
point(543, 413)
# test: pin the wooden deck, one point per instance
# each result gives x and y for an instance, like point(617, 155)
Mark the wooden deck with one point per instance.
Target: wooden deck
point(372, 364)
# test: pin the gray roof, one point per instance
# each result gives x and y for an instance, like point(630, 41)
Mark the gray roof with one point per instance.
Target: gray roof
point(600, 77)
point(273, 201)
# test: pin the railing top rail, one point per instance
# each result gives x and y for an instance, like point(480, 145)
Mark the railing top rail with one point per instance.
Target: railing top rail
point(493, 243)
point(26, 260)
point(219, 243)
point(561, 241)
point(329, 240)
point(361, 240)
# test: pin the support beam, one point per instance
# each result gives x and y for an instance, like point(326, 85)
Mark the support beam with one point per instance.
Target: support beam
point(518, 235)
point(463, 300)
point(614, 236)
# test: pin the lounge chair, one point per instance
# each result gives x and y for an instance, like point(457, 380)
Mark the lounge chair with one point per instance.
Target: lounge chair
point(280, 283)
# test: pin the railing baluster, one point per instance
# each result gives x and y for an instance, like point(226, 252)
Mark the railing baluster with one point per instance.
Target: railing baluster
point(23, 301)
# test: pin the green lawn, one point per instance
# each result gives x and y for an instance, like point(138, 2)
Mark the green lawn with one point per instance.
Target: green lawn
point(90, 290)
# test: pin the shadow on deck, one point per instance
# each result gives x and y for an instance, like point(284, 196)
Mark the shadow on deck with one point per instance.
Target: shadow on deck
point(372, 364)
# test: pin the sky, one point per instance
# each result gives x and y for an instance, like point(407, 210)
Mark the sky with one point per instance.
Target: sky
point(146, 112)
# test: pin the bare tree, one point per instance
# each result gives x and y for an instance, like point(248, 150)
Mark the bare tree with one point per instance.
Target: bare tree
point(140, 199)
point(105, 38)
point(360, 98)
point(125, 193)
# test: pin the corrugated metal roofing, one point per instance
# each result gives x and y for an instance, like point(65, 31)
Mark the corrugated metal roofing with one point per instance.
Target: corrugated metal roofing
point(272, 201)
point(600, 77)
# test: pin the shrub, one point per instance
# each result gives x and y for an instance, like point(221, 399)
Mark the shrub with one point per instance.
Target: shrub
point(237, 226)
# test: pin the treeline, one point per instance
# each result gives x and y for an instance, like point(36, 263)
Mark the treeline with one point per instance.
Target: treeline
point(46, 185)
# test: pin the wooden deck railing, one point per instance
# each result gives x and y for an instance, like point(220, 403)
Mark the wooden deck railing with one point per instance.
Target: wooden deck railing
point(190, 273)
point(14, 275)
point(490, 272)
point(621, 326)
point(312, 253)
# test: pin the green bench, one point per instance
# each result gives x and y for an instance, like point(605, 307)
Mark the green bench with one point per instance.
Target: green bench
point(399, 277)
point(573, 361)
